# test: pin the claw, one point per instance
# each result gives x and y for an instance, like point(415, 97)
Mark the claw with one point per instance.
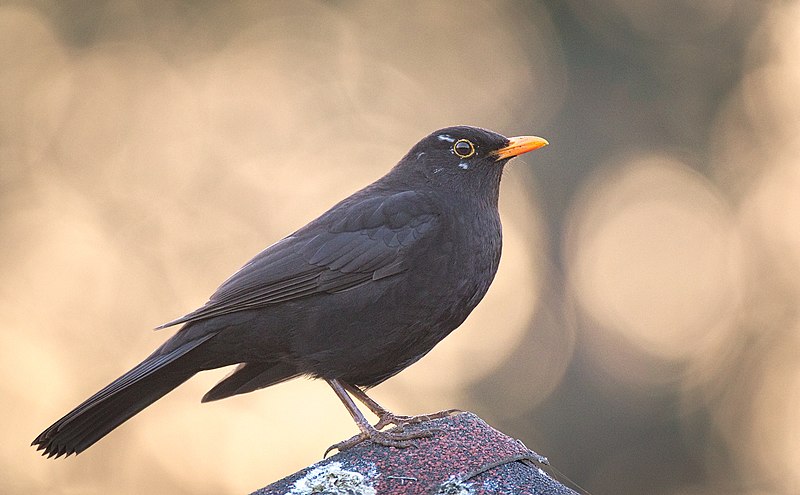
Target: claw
point(346, 444)
point(396, 437)
point(400, 421)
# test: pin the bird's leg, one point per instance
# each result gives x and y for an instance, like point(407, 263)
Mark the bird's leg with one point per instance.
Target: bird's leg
point(386, 417)
point(398, 439)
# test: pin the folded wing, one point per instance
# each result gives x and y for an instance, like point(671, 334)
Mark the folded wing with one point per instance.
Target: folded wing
point(346, 247)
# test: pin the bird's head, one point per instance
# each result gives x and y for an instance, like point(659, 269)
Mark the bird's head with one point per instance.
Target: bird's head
point(466, 158)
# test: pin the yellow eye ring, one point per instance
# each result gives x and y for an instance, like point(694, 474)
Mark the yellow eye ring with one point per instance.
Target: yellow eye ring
point(464, 148)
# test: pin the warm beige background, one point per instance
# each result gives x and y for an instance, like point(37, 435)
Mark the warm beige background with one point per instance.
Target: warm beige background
point(643, 329)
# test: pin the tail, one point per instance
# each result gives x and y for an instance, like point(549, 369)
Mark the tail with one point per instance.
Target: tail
point(117, 402)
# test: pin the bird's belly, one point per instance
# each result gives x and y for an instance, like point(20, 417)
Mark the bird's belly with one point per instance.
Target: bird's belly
point(370, 333)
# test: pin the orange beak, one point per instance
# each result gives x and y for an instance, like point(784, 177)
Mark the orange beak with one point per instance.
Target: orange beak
point(519, 145)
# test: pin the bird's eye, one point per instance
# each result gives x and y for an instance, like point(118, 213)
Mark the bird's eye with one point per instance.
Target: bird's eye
point(464, 148)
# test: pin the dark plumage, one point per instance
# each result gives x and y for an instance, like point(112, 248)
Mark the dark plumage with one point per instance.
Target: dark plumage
point(354, 297)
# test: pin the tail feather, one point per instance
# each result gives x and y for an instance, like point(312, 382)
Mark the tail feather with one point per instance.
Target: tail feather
point(117, 402)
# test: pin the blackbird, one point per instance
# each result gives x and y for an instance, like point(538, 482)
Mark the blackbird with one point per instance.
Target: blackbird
point(354, 297)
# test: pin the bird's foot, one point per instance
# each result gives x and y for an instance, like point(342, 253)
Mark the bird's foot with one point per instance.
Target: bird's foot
point(388, 418)
point(395, 437)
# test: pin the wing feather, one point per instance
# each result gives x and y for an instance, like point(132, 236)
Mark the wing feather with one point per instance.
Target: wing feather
point(364, 241)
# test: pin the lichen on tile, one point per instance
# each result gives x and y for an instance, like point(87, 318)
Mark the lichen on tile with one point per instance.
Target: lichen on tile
point(332, 479)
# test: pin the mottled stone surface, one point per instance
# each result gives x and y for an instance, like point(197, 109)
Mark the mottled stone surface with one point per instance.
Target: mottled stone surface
point(465, 456)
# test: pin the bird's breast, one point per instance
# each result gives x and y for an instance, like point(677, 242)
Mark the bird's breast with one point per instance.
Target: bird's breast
point(462, 267)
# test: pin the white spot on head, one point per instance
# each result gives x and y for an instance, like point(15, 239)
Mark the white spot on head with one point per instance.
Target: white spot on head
point(463, 166)
point(445, 137)
point(420, 154)
point(437, 170)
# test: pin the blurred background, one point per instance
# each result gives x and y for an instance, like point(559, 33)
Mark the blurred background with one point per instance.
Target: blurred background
point(643, 330)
